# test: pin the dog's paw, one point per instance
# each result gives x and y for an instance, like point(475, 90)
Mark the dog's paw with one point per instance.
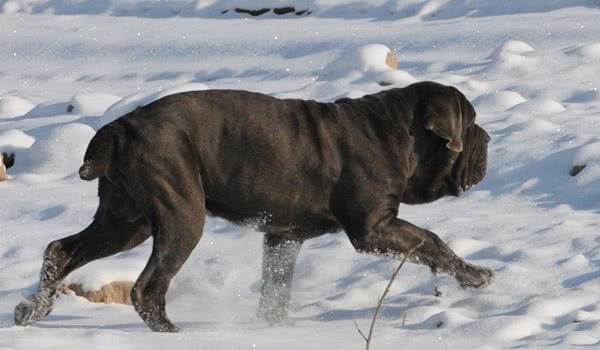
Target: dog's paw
point(275, 319)
point(157, 321)
point(274, 312)
point(31, 310)
point(25, 313)
point(472, 276)
point(164, 326)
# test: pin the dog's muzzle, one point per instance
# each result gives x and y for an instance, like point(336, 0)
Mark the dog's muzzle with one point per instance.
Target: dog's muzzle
point(471, 166)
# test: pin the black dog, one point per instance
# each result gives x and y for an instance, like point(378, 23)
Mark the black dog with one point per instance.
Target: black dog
point(6, 162)
point(297, 169)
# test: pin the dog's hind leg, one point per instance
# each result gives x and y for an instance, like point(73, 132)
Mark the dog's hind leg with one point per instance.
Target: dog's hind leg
point(279, 261)
point(177, 223)
point(105, 236)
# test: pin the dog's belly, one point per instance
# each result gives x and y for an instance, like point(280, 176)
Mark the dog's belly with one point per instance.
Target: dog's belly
point(298, 222)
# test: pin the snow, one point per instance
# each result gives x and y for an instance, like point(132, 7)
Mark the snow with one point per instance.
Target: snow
point(530, 68)
point(365, 64)
point(590, 51)
point(58, 151)
point(429, 10)
point(140, 99)
point(92, 104)
point(514, 57)
point(498, 101)
point(14, 138)
point(539, 106)
point(14, 106)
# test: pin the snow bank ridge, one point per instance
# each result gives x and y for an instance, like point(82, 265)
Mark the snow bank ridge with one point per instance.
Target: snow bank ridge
point(425, 9)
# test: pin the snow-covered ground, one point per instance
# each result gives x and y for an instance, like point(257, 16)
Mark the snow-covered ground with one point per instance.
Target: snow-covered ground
point(531, 68)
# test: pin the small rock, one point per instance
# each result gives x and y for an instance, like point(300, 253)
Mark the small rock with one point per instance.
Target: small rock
point(391, 60)
point(117, 292)
point(283, 10)
point(577, 169)
point(252, 12)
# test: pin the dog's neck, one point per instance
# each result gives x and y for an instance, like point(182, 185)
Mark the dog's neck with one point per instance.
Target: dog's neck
point(393, 104)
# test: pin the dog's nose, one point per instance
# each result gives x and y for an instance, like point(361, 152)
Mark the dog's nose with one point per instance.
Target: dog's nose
point(488, 138)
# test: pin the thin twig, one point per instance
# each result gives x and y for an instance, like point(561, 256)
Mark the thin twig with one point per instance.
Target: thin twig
point(359, 331)
point(385, 292)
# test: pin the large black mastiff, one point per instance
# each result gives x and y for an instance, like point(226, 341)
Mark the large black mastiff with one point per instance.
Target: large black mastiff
point(296, 169)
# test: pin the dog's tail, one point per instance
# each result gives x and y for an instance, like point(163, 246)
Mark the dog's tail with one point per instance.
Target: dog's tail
point(99, 153)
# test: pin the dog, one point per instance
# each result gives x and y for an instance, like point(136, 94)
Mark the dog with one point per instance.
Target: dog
point(6, 162)
point(296, 169)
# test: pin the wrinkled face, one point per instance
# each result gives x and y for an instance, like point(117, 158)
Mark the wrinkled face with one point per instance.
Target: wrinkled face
point(471, 165)
point(450, 149)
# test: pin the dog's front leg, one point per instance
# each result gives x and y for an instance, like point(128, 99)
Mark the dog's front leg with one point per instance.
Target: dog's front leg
point(392, 236)
point(279, 261)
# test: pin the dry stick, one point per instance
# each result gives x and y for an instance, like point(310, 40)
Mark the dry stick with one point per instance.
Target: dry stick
point(360, 332)
point(380, 303)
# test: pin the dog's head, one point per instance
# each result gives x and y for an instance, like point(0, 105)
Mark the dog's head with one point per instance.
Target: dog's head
point(6, 161)
point(450, 149)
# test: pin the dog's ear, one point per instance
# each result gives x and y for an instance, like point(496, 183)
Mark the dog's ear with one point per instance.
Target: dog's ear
point(8, 159)
point(468, 113)
point(443, 116)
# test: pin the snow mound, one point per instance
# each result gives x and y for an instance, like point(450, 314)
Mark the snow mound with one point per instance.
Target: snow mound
point(498, 101)
point(60, 151)
point(472, 87)
point(539, 106)
point(537, 127)
point(513, 56)
point(14, 107)
point(579, 261)
point(141, 99)
point(514, 47)
point(394, 77)
point(92, 104)
point(10, 7)
point(587, 154)
point(583, 96)
point(48, 109)
point(445, 319)
point(466, 247)
point(583, 316)
point(374, 62)
point(590, 51)
point(15, 139)
point(554, 307)
point(518, 327)
point(587, 161)
point(582, 339)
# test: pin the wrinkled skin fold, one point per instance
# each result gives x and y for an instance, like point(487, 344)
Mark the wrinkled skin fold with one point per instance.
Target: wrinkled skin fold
point(296, 169)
